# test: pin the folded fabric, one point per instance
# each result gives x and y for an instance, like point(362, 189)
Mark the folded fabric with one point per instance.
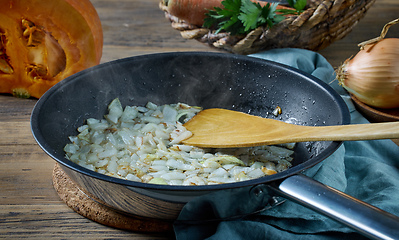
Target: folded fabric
point(366, 170)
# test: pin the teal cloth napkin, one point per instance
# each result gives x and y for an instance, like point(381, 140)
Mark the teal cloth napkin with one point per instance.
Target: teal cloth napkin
point(366, 170)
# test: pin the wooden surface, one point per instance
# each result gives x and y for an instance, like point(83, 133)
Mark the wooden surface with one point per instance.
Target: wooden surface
point(29, 205)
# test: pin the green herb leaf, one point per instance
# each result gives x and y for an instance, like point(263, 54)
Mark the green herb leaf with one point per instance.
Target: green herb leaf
point(225, 18)
point(299, 5)
point(254, 15)
point(251, 14)
point(243, 16)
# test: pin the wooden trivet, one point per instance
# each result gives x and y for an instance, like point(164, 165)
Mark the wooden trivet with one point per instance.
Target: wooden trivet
point(69, 192)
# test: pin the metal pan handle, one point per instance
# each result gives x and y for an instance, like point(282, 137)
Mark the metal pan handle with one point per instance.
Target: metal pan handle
point(370, 221)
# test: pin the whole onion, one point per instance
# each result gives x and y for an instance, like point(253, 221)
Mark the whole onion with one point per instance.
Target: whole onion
point(372, 76)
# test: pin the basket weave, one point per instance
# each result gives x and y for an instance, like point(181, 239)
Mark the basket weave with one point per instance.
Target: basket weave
point(322, 23)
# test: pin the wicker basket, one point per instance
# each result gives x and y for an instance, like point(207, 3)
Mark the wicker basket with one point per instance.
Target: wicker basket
point(322, 23)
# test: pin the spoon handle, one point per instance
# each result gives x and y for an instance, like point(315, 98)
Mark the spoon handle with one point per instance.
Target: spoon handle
point(352, 132)
point(222, 128)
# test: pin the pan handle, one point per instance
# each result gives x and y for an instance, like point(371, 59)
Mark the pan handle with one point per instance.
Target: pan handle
point(368, 220)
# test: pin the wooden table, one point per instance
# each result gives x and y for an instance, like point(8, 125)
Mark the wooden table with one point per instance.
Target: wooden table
point(29, 205)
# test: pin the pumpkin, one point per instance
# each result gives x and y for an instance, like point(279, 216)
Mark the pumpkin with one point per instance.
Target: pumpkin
point(44, 41)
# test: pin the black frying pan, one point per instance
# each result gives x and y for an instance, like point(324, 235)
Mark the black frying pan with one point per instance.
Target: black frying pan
point(208, 80)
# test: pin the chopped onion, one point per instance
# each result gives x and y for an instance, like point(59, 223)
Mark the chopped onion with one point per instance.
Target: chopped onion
point(143, 144)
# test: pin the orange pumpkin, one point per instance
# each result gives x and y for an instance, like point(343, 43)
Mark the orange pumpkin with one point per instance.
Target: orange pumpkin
point(44, 41)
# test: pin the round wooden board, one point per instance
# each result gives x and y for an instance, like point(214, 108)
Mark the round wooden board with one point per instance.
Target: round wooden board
point(87, 207)
point(376, 114)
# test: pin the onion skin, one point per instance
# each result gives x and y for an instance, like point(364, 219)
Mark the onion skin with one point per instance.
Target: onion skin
point(372, 76)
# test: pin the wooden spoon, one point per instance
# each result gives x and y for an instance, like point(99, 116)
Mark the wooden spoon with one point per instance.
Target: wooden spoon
point(221, 128)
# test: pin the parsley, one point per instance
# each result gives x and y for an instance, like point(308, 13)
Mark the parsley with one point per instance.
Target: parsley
point(242, 16)
point(299, 5)
point(254, 15)
point(226, 18)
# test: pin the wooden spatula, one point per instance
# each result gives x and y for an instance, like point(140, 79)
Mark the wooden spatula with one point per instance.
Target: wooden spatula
point(221, 128)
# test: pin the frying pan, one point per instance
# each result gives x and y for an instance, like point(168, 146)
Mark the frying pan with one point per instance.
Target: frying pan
point(208, 80)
